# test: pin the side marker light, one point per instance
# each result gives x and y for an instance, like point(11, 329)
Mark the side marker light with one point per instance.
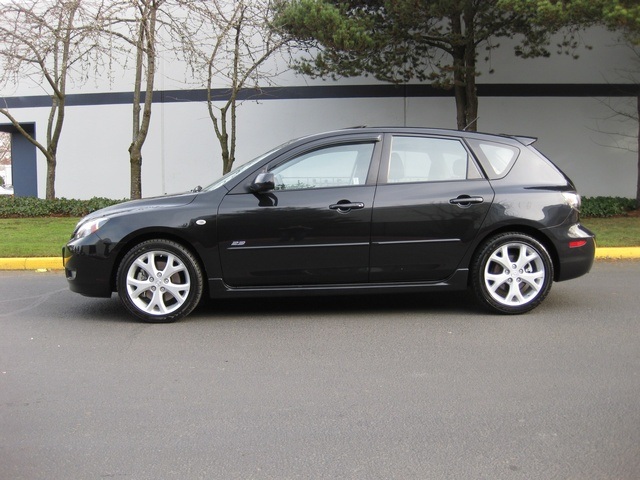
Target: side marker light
point(577, 243)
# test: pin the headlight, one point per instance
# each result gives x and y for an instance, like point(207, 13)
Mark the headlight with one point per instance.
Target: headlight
point(572, 199)
point(88, 227)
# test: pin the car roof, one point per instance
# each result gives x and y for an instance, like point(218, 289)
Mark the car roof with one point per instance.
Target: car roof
point(519, 139)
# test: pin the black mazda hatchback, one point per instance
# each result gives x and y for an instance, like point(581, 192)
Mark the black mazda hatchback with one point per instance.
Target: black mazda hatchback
point(362, 210)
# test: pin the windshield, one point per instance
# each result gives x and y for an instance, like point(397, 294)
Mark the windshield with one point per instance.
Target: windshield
point(234, 173)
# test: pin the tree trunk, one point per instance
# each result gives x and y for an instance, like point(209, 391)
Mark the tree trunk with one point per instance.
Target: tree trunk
point(54, 131)
point(224, 144)
point(469, 121)
point(145, 49)
point(135, 159)
point(464, 71)
point(471, 112)
point(51, 177)
point(466, 94)
point(638, 170)
point(460, 94)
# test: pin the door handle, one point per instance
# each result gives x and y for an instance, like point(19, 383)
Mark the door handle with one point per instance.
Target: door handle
point(466, 200)
point(344, 206)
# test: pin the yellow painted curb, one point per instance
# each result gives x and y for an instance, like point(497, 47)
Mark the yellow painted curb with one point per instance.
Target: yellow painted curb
point(618, 252)
point(36, 263)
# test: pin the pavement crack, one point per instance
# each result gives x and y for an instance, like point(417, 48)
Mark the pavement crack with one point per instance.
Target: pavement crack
point(35, 301)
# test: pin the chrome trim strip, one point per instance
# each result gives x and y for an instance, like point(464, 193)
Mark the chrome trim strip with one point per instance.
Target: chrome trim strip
point(323, 245)
point(400, 242)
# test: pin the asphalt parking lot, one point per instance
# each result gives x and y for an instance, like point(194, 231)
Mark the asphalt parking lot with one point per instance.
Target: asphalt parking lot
point(419, 386)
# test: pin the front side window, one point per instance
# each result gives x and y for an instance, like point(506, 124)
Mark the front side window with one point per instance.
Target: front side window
point(425, 159)
point(335, 166)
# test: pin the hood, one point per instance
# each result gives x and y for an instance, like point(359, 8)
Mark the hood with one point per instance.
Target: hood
point(144, 204)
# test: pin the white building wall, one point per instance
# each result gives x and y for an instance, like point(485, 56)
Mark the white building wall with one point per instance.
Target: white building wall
point(181, 150)
point(569, 133)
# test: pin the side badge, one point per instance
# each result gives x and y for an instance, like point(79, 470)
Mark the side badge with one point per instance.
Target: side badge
point(201, 222)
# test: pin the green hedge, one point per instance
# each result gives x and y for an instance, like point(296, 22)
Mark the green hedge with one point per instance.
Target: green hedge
point(606, 206)
point(16, 207)
point(12, 207)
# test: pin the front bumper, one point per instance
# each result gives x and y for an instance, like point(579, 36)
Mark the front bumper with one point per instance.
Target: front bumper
point(88, 265)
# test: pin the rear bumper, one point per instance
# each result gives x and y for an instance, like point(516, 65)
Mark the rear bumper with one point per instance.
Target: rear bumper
point(576, 248)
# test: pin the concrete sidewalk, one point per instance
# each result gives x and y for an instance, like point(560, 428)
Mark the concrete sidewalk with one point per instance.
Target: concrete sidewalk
point(55, 263)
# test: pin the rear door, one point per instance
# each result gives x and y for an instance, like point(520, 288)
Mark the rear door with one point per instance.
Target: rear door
point(430, 203)
point(314, 228)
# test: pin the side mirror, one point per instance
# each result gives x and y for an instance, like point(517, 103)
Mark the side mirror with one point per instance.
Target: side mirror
point(264, 182)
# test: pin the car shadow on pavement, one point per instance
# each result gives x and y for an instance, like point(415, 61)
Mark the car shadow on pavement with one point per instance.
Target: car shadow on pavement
point(444, 302)
point(447, 303)
point(99, 309)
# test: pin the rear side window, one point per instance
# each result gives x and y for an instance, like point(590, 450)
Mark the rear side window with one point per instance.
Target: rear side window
point(426, 159)
point(496, 158)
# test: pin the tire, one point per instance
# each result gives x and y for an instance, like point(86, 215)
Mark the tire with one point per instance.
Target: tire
point(159, 281)
point(512, 273)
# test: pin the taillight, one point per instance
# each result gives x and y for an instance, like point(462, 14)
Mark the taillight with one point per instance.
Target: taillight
point(577, 243)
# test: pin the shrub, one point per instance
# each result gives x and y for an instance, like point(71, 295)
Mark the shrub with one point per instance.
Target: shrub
point(606, 206)
point(16, 207)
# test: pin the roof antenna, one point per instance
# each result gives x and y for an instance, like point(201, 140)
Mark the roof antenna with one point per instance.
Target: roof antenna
point(470, 123)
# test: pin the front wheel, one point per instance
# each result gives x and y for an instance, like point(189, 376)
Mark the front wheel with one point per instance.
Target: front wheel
point(159, 281)
point(512, 273)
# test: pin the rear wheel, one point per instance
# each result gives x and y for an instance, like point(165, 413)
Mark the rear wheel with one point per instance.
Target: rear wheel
point(512, 273)
point(159, 281)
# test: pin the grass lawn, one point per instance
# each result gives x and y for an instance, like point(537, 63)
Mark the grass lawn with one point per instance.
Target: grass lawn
point(616, 231)
point(35, 237)
point(44, 237)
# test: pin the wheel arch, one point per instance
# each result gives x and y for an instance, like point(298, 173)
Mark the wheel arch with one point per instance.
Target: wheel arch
point(524, 229)
point(144, 236)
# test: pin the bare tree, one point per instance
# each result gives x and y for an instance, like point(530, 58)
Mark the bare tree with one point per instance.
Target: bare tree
point(42, 42)
point(135, 24)
point(145, 68)
point(5, 148)
point(629, 111)
point(5, 156)
point(625, 109)
point(232, 55)
point(145, 29)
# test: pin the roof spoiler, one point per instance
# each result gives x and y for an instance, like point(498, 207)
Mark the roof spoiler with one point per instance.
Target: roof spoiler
point(526, 141)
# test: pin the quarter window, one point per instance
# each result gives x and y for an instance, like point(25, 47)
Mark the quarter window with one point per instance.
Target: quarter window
point(424, 159)
point(335, 166)
point(496, 158)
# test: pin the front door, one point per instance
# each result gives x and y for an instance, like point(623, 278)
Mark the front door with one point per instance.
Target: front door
point(314, 228)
